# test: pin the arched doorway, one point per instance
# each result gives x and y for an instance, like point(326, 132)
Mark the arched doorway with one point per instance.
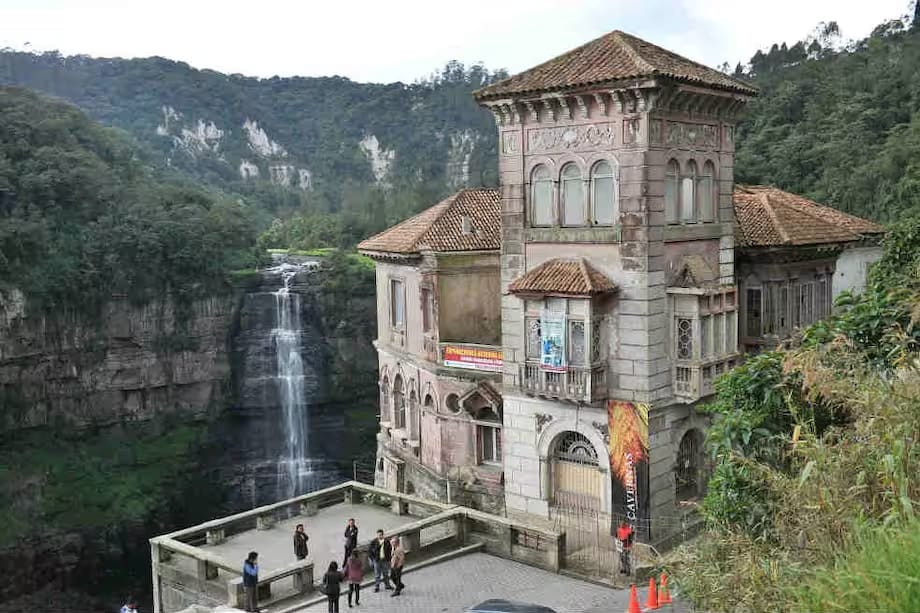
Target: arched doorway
point(689, 473)
point(577, 481)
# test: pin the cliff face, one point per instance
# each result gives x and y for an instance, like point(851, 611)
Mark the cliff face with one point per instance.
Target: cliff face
point(149, 419)
point(132, 364)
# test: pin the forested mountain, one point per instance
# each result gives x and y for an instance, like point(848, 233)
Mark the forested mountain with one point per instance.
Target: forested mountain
point(318, 145)
point(842, 127)
point(338, 160)
point(82, 218)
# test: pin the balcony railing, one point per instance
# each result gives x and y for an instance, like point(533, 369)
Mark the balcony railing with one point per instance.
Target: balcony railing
point(578, 383)
point(694, 380)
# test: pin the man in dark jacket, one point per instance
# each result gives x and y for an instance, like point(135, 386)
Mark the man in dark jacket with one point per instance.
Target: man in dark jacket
point(379, 553)
point(351, 539)
point(300, 542)
point(251, 581)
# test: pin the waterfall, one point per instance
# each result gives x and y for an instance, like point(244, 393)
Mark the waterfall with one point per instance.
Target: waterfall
point(295, 467)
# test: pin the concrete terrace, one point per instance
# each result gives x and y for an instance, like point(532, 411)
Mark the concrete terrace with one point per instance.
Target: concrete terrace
point(456, 557)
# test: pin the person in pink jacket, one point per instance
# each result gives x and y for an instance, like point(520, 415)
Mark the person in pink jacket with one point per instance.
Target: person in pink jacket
point(354, 574)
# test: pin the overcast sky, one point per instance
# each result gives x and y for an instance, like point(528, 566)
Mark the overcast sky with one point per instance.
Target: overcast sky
point(382, 41)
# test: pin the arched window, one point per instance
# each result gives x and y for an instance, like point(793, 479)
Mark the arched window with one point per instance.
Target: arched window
point(603, 194)
point(541, 197)
point(429, 403)
point(573, 196)
point(671, 187)
point(689, 471)
point(687, 196)
point(399, 403)
point(705, 193)
point(414, 416)
point(385, 400)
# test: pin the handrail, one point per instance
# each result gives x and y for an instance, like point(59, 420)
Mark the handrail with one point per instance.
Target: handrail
point(197, 553)
point(270, 508)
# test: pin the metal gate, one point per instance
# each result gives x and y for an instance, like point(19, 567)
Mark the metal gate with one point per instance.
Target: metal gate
point(578, 488)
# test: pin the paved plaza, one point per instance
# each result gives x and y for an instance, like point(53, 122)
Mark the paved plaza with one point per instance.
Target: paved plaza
point(325, 529)
point(455, 585)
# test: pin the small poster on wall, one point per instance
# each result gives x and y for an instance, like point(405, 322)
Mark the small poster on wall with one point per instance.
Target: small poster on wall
point(552, 341)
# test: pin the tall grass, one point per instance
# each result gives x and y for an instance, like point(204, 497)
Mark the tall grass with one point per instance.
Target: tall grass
point(881, 572)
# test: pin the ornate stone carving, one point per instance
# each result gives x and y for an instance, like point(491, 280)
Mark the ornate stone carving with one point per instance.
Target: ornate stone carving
point(550, 109)
point(499, 119)
point(509, 143)
point(692, 134)
point(654, 131)
point(582, 106)
point(601, 103)
point(603, 429)
point(542, 420)
point(564, 107)
point(570, 137)
point(631, 131)
point(533, 110)
point(729, 132)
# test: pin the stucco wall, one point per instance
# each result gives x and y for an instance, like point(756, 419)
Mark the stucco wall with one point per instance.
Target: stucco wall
point(469, 298)
point(853, 267)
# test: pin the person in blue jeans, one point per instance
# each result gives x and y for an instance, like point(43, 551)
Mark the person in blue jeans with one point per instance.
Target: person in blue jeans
point(378, 553)
point(251, 581)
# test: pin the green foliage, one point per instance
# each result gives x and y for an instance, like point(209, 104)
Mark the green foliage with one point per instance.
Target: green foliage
point(319, 122)
point(842, 127)
point(90, 481)
point(82, 219)
point(880, 572)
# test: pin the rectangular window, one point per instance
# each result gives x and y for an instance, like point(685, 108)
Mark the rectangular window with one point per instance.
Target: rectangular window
point(705, 338)
point(822, 297)
point(577, 343)
point(808, 303)
point(704, 190)
point(718, 323)
point(427, 310)
point(731, 332)
point(796, 304)
point(602, 200)
point(542, 204)
point(490, 444)
point(783, 311)
point(671, 189)
point(533, 338)
point(686, 200)
point(397, 304)
point(684, 339)
point(573, 202)
point(753, 329)
point(769, 308)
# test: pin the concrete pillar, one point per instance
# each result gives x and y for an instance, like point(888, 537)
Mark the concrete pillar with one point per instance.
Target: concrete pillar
point(264, 522)
point(215, 536)
point(555, 554)
point(461, 529)
point(206, 571)
point(412, 542)
point(397, 507)
point(303, 580)
point(309, 508)
point(349, 496)
point(155, 570)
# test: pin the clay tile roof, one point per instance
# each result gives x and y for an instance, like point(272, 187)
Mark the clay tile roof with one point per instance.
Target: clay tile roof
point(569, 277)
point(770, 217)
point(612, 57)
point(441, 227)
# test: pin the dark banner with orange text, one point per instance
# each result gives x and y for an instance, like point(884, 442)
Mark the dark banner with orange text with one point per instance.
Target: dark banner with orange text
point(627, 424)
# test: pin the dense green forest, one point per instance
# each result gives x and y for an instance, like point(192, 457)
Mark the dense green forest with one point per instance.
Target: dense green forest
point(842, 127)
point(82, 217)
point(298, 141)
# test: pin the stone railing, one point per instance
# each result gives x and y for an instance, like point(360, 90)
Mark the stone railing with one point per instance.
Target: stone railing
point(578, 383)
point(208, 579)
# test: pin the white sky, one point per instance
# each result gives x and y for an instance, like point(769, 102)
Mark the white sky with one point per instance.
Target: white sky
point(368, 40)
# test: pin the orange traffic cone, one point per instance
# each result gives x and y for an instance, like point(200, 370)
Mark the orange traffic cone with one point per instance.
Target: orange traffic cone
point(633, 600)
point(664, 595)
point(651, 602)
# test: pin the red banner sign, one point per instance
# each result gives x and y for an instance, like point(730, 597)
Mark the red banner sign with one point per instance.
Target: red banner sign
point(473, 357)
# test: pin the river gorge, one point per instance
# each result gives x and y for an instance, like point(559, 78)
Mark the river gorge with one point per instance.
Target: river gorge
point(155, 416)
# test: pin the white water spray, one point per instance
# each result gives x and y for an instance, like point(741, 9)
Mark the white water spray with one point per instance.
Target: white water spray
point(294, 469)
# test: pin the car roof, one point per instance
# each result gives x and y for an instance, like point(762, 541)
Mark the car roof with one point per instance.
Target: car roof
point(498, 605)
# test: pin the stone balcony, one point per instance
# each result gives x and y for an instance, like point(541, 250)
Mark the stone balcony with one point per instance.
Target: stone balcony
point(576, 383)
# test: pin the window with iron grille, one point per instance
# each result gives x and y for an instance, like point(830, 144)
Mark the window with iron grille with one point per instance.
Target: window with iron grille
point(754, 307)
point(596, 340)
point(688, 469)
point(490, 444)
point(533, 338)
point(684, 339)
point(577, 348)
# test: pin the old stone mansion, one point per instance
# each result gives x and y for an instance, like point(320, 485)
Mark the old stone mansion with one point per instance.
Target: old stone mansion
point(544, 346)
